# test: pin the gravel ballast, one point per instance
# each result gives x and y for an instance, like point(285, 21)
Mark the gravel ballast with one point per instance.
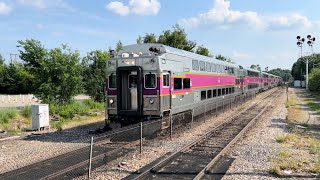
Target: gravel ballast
point(254, 153)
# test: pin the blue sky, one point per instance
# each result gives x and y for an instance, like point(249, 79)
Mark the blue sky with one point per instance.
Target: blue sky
point(249, 31)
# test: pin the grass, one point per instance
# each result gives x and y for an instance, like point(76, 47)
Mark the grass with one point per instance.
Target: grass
point(26, 112)
point(7, 114)
point(300, 148)
point(312, 105)
point(315, 168)
point(66, 116)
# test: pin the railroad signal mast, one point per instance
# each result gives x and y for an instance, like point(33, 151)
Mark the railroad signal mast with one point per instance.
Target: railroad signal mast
point(305, 59)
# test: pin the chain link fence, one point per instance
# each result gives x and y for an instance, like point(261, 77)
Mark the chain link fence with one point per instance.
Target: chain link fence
point(104, 149)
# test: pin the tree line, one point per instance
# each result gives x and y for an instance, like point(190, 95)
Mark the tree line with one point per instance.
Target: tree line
point(56, 75)
point(299, 71)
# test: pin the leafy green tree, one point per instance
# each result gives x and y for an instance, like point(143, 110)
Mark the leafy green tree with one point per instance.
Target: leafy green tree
point(203, 51)
point(150, 38)
point(223, 58)
point(2, 74)
point(57, 72)
point(15, 80)
point(314, 80)
point(256, 67)
point(176, 38)
point(119, 46)
point(140, 40)
point(94, 75)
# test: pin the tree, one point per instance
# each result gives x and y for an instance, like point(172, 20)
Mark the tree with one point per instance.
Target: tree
point(314, 80)
point(56, 73)
point(150, 38)
point(203, 51)
point(176, 38)
point(223, 58)
point(140, 40)
point(94, 75)
point(119, 46)
point(256, 67)
point(285, 74)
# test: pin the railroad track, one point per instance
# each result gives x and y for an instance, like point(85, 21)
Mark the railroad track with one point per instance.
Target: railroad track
point(75, 163)
point(195, 160)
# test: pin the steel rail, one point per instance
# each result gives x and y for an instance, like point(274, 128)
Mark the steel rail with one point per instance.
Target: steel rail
point(226, 148)
point(156, 166)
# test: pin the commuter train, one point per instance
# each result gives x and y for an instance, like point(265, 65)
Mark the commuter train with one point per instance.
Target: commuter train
point(149, 81)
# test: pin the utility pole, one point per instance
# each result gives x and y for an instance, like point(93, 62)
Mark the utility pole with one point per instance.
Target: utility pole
point(13, 57)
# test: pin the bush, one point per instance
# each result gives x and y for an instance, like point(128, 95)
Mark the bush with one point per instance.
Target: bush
point(93, 105)
point(314, 80)
point(26, 112)
point(57, 125)
point(7, 114)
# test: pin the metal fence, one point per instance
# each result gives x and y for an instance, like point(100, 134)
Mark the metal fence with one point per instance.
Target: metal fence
point(104, 149)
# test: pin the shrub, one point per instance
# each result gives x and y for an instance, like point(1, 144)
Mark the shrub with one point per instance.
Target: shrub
point(7, 114)
point(93, 105)
point(26, 112)
point(57, 125)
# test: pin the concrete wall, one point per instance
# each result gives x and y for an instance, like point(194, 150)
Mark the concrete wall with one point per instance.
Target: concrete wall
point(17, 100)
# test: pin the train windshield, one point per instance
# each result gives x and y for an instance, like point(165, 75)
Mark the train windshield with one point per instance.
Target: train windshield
point(150, 81)
point(112, 81)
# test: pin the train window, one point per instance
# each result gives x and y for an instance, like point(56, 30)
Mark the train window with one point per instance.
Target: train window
point(219, 92)
point(195, 65)
point(230, 90)
point(208, 66)
point(223, 91)
point(203, 95)
point(214, 93)
point(231, 70)
point(177, 83)
point(202, 66)
point(133, 79)
point(186, 83)
point(223, 69)
point(233, 90)
point(150, 81)
point(112, 81)
point(213, 68)
point(166, 80)
point(209, 94)
point(227, 90)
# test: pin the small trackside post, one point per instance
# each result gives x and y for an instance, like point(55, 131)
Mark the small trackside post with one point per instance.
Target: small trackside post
point(192, 118)
point(216, 111)
point(90, 158)
point(205, 112)
point(170, 116)
point(141, 126)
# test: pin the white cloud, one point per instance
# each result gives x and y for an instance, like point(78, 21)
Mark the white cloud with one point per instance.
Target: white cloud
point(34, 3)
point(4, 8)
point(47, 4)
point(118, 8)
point(222, 16)
point(241, 55)
point(58, 33)
point(291, 21)
point(139, 7)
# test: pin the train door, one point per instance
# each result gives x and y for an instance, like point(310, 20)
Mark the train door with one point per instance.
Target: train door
point(167, 91)
point(129, 96)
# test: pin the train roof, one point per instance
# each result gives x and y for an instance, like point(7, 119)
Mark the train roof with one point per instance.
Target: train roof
point(144, 50)
point(250, 69)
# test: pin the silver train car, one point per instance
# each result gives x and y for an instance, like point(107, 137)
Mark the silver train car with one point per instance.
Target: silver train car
point(149, 81)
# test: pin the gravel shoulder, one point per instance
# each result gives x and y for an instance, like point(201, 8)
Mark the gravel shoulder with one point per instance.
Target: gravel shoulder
point(254, 153)
point(158, 147)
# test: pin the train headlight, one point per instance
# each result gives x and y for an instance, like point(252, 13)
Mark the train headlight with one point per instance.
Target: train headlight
point(111, 101)
point(151, 101)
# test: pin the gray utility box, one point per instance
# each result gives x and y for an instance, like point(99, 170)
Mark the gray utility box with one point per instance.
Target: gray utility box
point(40, 116)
